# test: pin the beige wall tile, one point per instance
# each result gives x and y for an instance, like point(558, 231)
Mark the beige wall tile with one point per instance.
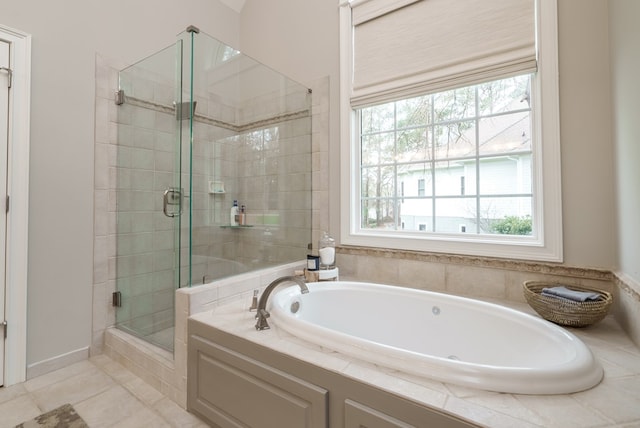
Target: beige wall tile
point(475, 281)
point(423, 275)
point(378, 269)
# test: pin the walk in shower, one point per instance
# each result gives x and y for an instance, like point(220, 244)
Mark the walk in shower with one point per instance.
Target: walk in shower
point(201, 125)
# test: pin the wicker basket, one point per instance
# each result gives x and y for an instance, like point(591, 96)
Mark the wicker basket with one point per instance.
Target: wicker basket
point(567, 312)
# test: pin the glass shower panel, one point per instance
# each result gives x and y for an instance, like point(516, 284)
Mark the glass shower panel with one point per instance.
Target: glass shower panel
point(250, 141)
point(201, 125)
point(148, 196)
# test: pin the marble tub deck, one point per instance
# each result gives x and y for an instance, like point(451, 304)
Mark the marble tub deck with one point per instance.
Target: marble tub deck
point(615, 402)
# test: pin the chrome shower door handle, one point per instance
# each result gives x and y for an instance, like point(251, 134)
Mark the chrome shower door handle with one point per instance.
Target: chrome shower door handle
point(172, 197)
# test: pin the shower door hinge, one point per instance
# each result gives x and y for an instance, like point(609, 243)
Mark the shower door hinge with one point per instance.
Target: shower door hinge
point(6, 206)
point(116, 299)
point(119, 97)
point(4, 325)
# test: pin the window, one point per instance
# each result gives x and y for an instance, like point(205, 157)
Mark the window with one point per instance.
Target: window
point(479, 135)
point(420, 186)
point(486, 171)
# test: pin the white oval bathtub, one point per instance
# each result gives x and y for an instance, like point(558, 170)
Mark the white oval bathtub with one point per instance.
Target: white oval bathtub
point(447, 338)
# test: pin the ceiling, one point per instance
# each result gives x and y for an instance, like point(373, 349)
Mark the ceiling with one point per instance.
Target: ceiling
point(234, 4)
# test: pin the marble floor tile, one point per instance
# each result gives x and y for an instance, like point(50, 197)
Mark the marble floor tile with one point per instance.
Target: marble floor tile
point(57, 375)
point(12, 392)
point(103, 392)
point(176, 416)
point(18, 410)
point(109, 407)
point(118, 372)
point(143, 391)
point(145, 418)
point(73, 389)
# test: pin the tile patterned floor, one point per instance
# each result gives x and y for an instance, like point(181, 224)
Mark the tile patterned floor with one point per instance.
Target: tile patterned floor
point(104, 394)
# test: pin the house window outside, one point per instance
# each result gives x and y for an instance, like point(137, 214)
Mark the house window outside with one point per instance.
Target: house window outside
point(421, 187)
point(468, 151)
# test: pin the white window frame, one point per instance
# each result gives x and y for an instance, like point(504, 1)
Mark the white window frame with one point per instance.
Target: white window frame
point(546, 244)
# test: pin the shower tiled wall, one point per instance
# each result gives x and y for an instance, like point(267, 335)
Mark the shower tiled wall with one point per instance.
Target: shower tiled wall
point(265, 165)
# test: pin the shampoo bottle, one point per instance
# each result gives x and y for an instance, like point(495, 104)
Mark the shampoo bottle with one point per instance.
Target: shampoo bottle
point(233, 215)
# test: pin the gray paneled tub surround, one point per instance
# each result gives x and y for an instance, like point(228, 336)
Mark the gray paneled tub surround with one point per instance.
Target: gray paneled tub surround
point(225, 349)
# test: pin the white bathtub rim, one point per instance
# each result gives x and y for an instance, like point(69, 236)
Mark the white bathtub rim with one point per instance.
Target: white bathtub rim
point(581, 373)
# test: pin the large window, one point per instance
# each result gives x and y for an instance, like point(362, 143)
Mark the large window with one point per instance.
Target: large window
point(464, 163)
point(464, 155)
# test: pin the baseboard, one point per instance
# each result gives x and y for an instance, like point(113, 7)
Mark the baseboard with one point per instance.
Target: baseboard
point(58, 362)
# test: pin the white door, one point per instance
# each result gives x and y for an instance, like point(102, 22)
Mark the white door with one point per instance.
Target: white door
point(5, 79)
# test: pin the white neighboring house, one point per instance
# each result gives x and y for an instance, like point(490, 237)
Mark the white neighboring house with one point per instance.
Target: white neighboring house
point(500, 187)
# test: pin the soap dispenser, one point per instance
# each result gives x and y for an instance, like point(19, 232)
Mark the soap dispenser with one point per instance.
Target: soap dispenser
point(242, 216)
point(327, 251)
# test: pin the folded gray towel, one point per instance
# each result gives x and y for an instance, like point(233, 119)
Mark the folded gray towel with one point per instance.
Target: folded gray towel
point(565, 293)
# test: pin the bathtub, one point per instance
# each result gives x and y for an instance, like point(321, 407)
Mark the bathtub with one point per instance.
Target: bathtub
point(446, 338)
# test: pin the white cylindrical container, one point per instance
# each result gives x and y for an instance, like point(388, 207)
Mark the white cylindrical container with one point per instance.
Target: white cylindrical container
point(327, 251)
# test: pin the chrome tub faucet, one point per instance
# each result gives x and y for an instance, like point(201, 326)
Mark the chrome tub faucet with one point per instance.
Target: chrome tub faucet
point(263, 314)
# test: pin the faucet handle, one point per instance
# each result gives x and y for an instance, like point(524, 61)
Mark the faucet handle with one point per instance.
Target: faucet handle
point(254, 301)
point(262, 323)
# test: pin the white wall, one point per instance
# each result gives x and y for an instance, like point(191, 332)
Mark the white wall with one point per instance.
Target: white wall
point(301, 40)
point(588, 187)
point(625, 69)
point(67, 35)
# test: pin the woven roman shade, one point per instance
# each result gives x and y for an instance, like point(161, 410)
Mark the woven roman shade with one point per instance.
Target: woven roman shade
point(408, 47)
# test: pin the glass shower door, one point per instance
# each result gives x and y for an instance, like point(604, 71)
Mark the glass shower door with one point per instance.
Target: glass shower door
point(150, 200)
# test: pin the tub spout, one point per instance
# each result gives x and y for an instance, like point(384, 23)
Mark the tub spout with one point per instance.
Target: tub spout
point(263, 314)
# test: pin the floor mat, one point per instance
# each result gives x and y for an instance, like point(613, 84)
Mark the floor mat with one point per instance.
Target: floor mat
point(64, 416)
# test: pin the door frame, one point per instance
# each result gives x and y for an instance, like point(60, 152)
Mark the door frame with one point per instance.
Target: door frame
point(15, 361)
